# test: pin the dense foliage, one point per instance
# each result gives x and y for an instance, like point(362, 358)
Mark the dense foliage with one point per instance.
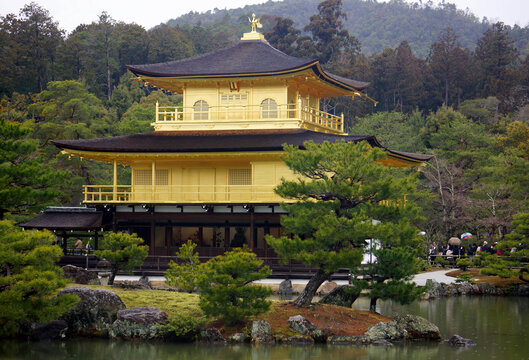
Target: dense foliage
point(29, 280)
point(345, 195)
point(225, 289)
point(184, 274)
point(124, 251)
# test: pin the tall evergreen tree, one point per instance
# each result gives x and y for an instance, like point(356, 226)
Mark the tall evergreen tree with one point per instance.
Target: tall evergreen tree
point(496, 56)
point(342, 188)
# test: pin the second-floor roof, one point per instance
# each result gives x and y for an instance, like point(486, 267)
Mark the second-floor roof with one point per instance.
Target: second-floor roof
point(247, 58)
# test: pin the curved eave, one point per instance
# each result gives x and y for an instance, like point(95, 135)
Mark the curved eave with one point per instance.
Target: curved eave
point(312, 65)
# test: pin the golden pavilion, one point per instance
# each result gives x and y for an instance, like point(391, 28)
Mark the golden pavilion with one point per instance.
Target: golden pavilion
point(208, 170)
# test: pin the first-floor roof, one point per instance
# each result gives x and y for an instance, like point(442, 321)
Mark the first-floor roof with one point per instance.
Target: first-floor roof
point(219, 141)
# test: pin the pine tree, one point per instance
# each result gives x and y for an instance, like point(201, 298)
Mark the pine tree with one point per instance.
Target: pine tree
point(342, 188)
point(29, 280)
point(124, 251)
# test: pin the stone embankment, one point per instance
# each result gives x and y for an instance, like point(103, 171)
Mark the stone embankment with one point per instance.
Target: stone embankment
point(435, 289)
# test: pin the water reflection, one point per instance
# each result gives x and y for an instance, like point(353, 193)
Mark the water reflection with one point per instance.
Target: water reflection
point(498, 325)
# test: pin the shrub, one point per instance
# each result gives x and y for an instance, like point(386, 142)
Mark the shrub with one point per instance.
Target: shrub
point(184, 276)
point(465, 277)
point(184, 328)
point(463, 263)
point(29, 279)
point(224, 288)
point(439, 260)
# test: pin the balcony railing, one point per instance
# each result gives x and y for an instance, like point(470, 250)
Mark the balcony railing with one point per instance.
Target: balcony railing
point(247, 116)
point(198, 194)
point(180, 194)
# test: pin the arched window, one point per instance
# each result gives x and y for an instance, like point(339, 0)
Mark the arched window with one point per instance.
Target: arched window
point(201, 110)
point(269, 108)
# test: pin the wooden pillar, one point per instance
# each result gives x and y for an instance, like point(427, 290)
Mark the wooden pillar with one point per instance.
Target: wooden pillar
point(153, 180)
point(200, 236)
point(252, 234)
point(65, 242)
point(96, 240)
point(168, 237)
point(152, 247)
point(115, 189)
point(266, 232)
point(226, 235)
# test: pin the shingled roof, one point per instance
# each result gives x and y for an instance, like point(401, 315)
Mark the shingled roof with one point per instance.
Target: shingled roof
point(67, 219)
point(217, 141)
point(244, 59)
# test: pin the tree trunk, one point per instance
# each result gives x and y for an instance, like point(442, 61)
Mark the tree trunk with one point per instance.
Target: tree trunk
point(113, 274)
point(446, 93)
point(373, 304)
point(305, 298)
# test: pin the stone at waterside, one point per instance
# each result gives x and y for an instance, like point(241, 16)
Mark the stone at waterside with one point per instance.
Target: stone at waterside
point(326, 288)
point(212, 336)
point(457, 340)
point(78, 274)
point(143, 323)
point(304, 327)
point(418, 328)
point(347, 340)
point(261, 332)
point(54, 330)
point(436, 289)
point(344, 295)
point(403, 328)
point(94, 313)
point(238, 338)
point(301, 325)
point(285, 288)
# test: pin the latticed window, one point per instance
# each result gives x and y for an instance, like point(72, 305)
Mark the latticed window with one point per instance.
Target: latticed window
point(144, 177)
point(201, 110)
point(269, 109)
point(240, 176)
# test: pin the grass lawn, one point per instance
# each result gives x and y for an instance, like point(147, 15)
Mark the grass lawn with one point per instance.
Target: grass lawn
point(171, 302)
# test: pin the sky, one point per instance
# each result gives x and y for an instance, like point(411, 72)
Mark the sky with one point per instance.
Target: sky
point(70, 13)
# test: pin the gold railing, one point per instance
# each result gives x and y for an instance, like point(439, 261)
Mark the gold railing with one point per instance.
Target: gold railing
point(180, 194)
point(243, 113)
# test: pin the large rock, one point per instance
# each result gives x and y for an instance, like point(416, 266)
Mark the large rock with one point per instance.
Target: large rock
point(521, 290)
point(94, 314)
point(143, 323)
point(54, 330)
point(261, 332)
point(418, 328)
point(301, 325)
point(144, 282)
point(238, 338)
point(344, 295)
point(457, 340)
point(299, 340)
point(390, 331)
point(488, 289)
point(326, 288)
point(285, 288)
point(143, 315)
point(78, 274)
point(212, 336)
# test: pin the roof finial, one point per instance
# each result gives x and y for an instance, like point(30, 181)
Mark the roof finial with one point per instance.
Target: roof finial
point(256, 23)
point(254, 35)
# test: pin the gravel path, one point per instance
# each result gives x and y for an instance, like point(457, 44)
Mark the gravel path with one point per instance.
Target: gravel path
point(419, 279)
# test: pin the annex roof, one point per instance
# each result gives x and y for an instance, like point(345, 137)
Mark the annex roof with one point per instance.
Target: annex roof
point(56, 218)
point(247, 58)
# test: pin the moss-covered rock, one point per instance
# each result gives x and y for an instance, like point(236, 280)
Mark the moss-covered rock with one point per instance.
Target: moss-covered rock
point(95, 312)
point(344, 295)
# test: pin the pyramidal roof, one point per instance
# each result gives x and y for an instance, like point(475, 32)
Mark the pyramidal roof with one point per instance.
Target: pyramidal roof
point(247, 58)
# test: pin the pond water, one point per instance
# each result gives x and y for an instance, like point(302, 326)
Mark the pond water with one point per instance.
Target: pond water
point(498, 325)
